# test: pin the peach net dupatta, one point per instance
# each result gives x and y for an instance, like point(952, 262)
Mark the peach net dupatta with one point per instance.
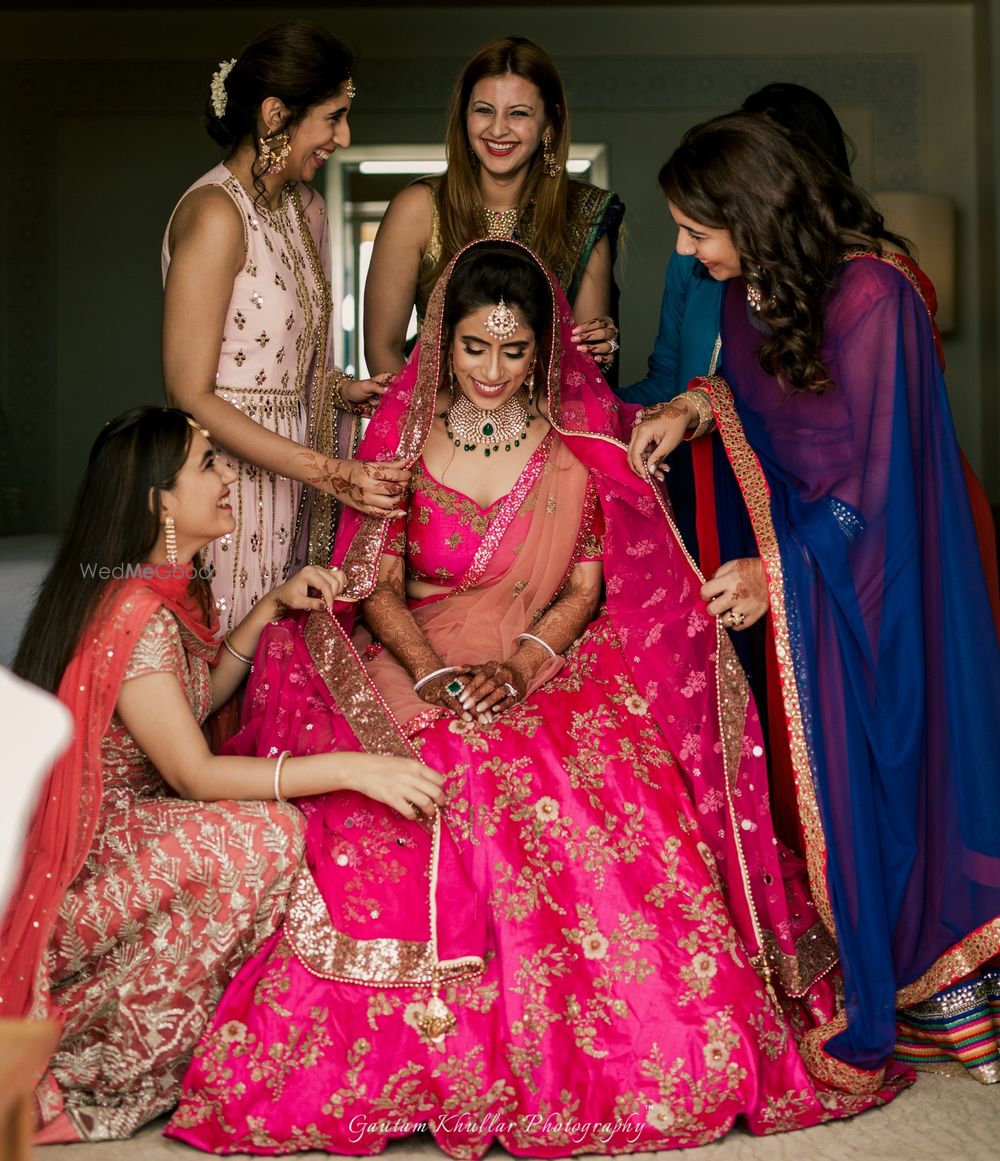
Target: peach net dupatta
point(517, 571)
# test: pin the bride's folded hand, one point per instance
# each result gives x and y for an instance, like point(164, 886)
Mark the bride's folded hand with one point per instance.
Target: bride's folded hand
point(495, 687)
point(402, 783)
point(444, 690)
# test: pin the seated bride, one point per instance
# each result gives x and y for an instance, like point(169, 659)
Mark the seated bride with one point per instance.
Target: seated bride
point(596, 944)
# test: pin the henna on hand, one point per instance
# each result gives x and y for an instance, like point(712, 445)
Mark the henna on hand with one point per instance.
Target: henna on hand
point(372, 488)
point(496, 686)
point(738, 593)
point(751, 583)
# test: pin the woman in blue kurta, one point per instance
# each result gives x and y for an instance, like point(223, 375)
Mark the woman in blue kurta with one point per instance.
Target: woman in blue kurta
point(835, 417)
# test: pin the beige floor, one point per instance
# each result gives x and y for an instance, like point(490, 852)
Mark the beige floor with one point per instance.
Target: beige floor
point(938, 1119)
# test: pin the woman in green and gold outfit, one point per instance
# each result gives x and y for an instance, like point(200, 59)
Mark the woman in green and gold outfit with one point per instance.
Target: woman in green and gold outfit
point(507, 141)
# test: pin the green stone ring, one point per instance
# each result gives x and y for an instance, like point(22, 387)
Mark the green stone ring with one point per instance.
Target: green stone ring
point(454, 687)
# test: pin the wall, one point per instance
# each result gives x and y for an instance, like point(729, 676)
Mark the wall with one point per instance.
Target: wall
point(103, 135)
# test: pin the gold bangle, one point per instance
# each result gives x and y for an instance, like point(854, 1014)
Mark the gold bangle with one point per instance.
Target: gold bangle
point(334, 384)
point(228, 645)
point(706, 417)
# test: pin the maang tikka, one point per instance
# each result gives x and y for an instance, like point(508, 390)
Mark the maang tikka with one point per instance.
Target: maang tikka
point(501, 322)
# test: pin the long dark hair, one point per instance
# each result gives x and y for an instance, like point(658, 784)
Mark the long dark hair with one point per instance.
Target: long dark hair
point(791, 215)
point(115, 523)
point(301, 64)
point(460, 198)
point(491, 271)
point(802, 111)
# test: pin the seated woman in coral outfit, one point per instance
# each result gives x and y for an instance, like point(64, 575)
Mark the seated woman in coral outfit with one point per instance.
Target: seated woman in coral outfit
point(135, 906)
point(596, 945)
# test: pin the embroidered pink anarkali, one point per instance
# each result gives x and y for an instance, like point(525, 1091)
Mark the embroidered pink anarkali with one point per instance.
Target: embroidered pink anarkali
point(597, 946)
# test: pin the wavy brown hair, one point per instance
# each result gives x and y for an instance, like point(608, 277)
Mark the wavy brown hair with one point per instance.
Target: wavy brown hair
point(791, 215)
point(459, 198)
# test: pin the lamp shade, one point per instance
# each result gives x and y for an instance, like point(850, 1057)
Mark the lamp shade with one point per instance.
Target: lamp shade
point(928, 221)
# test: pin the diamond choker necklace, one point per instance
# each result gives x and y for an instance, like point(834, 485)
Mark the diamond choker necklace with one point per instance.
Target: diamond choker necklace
point(503, 428)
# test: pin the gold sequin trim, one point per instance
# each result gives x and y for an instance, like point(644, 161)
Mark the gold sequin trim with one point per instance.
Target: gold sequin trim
point(332, 955)
point(757, 496)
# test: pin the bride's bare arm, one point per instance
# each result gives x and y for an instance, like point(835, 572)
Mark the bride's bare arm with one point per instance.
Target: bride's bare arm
point(389, 619)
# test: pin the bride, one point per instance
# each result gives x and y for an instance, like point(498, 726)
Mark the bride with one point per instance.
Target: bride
point(597, 944)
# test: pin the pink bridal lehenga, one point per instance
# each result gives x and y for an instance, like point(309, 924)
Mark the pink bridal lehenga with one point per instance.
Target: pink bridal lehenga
point(598, 944)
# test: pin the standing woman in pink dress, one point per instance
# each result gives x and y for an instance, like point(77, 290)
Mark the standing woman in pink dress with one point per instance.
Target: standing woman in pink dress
point(247, 310)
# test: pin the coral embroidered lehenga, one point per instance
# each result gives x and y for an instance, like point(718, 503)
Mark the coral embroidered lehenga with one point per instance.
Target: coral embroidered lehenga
point(597, 946)
point(134, 907)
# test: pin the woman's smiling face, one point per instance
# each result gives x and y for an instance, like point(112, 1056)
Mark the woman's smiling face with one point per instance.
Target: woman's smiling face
point(488, 370)
point(505, 122)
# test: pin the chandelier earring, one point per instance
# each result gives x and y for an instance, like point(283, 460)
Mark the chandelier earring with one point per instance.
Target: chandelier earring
point(551, 166)
point(170, 539)
point(273, 151)
point(529, 386)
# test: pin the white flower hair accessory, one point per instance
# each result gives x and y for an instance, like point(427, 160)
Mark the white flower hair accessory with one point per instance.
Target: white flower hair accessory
point(220, 97)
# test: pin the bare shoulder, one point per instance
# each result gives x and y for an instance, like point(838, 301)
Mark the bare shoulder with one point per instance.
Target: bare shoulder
point(207, 214)
point(411, 211)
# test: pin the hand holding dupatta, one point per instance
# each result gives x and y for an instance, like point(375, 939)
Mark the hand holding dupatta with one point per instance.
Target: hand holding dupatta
point(659, 430)
point(737, 592)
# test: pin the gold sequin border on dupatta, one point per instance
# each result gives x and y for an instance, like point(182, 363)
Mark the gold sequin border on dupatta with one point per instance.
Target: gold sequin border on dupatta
point(959, 960)
point(362, 559)
point(324, 434)
point(757, 496)
point(322, 949)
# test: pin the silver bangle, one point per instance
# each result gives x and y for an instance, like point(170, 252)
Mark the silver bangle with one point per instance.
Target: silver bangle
point(277, 775)
point(538, 641)
point(418, 685)
point(228, 645)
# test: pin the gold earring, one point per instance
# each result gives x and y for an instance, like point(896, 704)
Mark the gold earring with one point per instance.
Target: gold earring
point(529, 383)
point(170, 539)
point(273, 151)
point(549, 163)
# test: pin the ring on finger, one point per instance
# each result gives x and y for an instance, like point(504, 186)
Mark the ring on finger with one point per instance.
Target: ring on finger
point(511, 691)
point(612, 346)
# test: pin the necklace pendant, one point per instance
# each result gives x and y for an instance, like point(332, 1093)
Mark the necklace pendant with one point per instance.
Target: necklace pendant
point(499, 429)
